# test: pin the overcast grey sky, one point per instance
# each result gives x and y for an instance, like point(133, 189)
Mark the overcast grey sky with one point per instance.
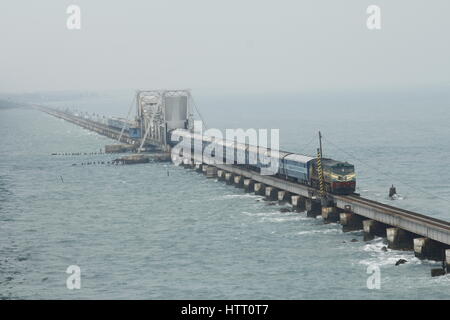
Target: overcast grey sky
point(255, 45)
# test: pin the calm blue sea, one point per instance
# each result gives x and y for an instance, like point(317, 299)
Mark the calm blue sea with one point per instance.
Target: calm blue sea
point(138, 233)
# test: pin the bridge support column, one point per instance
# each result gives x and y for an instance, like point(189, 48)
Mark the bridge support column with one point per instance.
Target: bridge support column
point(220, 175)
point(313, 208)
point(211, 172)
point(425, 248)
point(330, 214)
point(373, 228)
point(198, 167)
point(350, 221)
point(271, 193)
point(229, 178)
point(249, 185)
point(204, 168)
point(283, 196)
point(260, 189)
point(187, 164)
point(447, 260)
point(399, 239)
point(238, 181)
point(299, 203)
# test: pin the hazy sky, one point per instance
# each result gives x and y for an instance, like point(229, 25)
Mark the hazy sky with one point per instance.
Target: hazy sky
point(270, 46)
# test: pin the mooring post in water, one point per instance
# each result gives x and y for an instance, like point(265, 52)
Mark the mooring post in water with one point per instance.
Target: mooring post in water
point(392, 191)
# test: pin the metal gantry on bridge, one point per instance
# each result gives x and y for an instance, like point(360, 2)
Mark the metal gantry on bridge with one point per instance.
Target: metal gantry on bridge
point(160, 111)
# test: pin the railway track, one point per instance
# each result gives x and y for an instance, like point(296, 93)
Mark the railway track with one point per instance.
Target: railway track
point(399, 211)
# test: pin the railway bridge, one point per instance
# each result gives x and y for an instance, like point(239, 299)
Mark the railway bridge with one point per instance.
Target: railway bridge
point(160, 111)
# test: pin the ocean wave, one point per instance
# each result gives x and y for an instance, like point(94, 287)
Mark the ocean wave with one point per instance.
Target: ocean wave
point(390, 260)
point(234, 196)
point(384, 257)
point(320, 231)
point(269, 214)
point(283, 219)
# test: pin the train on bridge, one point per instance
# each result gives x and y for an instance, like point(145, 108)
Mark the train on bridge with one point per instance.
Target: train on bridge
point(130, 127)
point(339, 177)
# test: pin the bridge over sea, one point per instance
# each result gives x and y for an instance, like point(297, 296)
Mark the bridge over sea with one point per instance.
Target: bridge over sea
point(159, 111)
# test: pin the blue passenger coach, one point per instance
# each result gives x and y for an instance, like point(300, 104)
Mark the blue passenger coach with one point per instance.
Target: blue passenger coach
point(297, 166)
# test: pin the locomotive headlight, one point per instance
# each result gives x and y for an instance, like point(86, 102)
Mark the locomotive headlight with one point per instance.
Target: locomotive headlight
point(350, 177)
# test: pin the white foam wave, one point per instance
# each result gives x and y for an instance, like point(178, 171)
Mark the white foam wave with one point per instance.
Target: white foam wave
point(389, 260)
point(269, 214)
point(320, 231)
point(384, 257)
point(235, 196)
point(283, 219)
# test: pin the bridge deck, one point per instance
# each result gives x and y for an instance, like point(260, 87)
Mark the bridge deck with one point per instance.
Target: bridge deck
point(97, 127)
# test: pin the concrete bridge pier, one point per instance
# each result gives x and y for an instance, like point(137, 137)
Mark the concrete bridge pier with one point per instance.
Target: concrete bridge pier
point(425, 248)
point(283, 196)
point(229, 178)
point(220, 175)
point(187, 164)
point(350, 221)
point(239, 181)
point(447, 260)
point(271, 193)
point(298, 203)
point(399, 239)
point(313, 208)
point(330, 214)
point(211, 172)
point(373, 228)
point(249, 185)
point(204, 168)
point(260, 189)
